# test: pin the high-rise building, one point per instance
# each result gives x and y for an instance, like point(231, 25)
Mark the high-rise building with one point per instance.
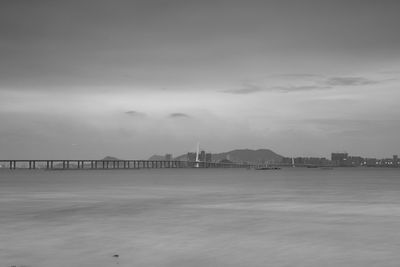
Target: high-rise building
point(202, 155)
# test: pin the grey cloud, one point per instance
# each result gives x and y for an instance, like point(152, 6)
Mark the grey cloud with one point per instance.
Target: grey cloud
point(284, 89)
point(297, 75)
point(134, 113)
point(349, 81)
point(246, 89)
point(294, 88)
point(326, 84)
point(179, 115)
point(361, 127)
point(390, 72)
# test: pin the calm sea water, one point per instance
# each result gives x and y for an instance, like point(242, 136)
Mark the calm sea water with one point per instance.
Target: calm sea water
point(200, 217)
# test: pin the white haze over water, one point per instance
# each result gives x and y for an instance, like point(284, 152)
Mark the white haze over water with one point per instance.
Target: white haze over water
point(292, 217)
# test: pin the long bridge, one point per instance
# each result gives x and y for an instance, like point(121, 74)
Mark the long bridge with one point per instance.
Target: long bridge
point(114, 164)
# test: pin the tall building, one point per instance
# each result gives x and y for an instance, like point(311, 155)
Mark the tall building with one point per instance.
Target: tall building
point(202, 155)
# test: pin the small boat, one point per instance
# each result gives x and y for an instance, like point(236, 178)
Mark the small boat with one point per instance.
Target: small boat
point(268, 168)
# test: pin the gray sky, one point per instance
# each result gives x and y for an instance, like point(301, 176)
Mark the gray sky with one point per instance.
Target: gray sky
point(85, 79)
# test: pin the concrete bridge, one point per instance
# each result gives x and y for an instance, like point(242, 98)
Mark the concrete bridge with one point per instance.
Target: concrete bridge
point(113, 164)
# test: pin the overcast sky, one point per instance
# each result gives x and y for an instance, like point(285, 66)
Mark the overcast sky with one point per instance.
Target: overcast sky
point(85, 79)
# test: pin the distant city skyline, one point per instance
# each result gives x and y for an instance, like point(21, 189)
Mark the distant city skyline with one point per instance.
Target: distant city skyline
point(86, 79)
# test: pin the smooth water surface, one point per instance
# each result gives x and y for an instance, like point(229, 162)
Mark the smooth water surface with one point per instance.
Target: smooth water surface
point(200, 217)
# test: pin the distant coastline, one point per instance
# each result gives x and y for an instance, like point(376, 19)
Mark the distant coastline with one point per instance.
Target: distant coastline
point(267, 156)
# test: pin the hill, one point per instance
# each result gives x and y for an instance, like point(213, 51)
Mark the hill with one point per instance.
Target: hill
point(157, 157)
point(244, 155)
point(248, 155)
point(109, 158)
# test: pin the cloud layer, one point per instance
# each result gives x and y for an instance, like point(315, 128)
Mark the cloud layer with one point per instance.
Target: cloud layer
point(135, 113)
point(349, 81)
point(316, 84)
point(179, 115)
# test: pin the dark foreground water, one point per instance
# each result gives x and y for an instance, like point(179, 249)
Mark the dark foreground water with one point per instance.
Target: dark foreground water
point(200, 217)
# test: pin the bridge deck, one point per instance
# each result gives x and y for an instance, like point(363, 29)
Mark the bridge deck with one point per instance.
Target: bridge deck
point(112, 164)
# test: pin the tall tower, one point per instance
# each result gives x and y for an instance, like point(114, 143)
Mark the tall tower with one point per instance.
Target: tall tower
point(197, 163)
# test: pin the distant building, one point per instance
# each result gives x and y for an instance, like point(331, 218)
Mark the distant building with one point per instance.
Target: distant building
point(202, 155)
point(372, 162)
point(191, 156)
point(225, 161)
point(168, 157)
point(355, 161)
point(306, 161)
point(340, 159)
point(386, 163)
